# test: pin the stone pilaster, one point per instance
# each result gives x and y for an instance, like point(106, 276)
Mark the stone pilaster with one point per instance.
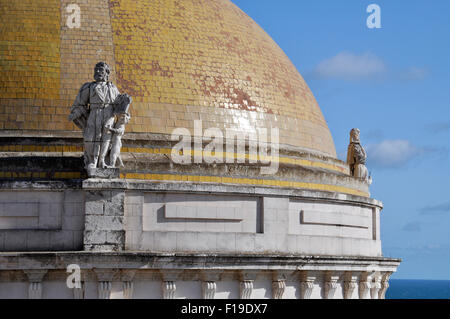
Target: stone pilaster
point(384, 285)
point(209, 289)
point(169, 288)
point(79, 289)
point(278, 288)
point(246, 289)
point(246, 284)
point(104, 278)
point(127, 277)
point(78, 293)
point(209, 283)
point(365, 284)
point(128, 288)
point(376, 287)
point(349, 285)
point(306, 284)
point(330, 285)
point(104, 289)
point(278, 284)
point(35, 279)
point(104, 225)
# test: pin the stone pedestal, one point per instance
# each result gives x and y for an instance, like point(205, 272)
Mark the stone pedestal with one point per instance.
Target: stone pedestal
point(103, 172)
point(104, 214)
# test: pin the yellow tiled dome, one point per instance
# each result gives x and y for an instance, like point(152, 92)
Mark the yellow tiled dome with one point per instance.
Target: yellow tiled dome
point(179, 60)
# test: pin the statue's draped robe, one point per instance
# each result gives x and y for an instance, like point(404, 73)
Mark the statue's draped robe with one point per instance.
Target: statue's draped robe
point(97, 99)
point(356, 158)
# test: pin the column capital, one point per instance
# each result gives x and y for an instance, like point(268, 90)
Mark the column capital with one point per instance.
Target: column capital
point(248, 275)
point(171, 274)
point(211, 275)
point(127, 275)
point(365, 284)
point(35, 275)
point(384, 284)
point(330, 284)
point(376, 286)
point(280, 275)
point(307, 280)
point(105, 274)
point(349, 285)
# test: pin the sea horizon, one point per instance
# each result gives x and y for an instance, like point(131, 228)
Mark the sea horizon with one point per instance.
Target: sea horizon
point(418, 289)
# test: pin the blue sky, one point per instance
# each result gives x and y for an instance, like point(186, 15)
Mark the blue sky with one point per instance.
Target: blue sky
point(393, 84)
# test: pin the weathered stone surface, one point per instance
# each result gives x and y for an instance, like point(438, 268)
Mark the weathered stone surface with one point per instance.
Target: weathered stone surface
point(104, 221)
point(42, 163)
point(101, 247)
point(115, 237)
point(96, 196)
point(105, 240)
point(95, 237)
point(103, 172)
point(115, 206)
point(94, 208)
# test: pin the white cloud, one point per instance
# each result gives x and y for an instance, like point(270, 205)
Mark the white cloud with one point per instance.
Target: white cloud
point(351, 66)
point(392, 153)
point(413, 74)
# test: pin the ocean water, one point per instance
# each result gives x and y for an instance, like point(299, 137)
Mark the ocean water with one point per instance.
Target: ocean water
point(418, 289)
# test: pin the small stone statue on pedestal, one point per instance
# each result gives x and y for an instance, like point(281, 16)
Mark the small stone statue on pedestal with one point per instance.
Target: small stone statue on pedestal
point(95, 110)
point(118, 130)
point(356, 157)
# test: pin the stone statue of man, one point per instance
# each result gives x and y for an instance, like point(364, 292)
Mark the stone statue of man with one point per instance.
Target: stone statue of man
point(356, 157)
point(93, 111)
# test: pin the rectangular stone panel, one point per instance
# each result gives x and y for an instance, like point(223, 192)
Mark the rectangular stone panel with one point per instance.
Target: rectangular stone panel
point(334, 219)
point(175, 211)
point(330, 220)
point(7, 223)
point(200, 213)
point(30, 210)
point(14, 209)
point(41, 220)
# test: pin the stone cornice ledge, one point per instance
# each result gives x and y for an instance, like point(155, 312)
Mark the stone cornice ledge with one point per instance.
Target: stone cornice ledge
point(153, 261)
point(210, 188)
point(96, 184)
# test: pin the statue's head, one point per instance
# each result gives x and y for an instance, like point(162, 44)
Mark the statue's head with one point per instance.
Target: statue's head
point(123, 118)
point(354, 135)
point(101, 72)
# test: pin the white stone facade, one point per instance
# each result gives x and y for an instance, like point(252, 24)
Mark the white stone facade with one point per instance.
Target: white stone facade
point(169, 240)
point(184, 276)
point(167, 222)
